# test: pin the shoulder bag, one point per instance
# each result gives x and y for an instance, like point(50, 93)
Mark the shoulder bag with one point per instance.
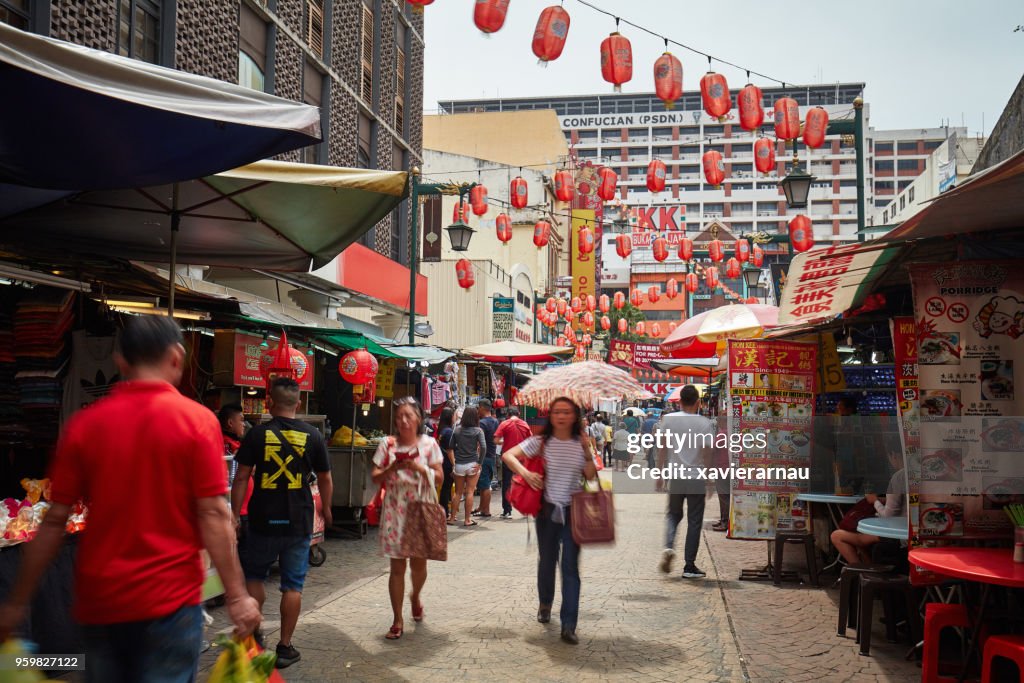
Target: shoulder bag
point(862, 510)
point(425, 533)
point(523, 497)
point(592, 516)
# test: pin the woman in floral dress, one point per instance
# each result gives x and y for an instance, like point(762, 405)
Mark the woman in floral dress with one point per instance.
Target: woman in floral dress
point(407, 464)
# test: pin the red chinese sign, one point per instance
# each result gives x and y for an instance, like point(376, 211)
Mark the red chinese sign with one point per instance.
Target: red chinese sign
point(246, 372)
point(633, 354)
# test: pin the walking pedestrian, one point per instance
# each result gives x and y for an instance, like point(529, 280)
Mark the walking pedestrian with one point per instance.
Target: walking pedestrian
point(489, 424)
point(597, 433)
point(695, 437)
point(281, 457)
point(510, 434)
point(721, 461)
point(648, 428)
point(405, 463)
point(151, 464)
point(470, 448)
point(620, 449)
point(567, 459)
point(445, 432)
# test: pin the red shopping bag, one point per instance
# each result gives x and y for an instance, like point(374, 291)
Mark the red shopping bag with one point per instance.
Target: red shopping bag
point(373, 509)
point(523, 497)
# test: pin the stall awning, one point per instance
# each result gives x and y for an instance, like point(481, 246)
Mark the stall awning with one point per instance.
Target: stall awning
point(351, 340)
point(431, 354)
point(518, 352)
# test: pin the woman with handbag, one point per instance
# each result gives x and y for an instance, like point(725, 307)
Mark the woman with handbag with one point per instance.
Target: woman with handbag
point(567, 460)
point(407, 464)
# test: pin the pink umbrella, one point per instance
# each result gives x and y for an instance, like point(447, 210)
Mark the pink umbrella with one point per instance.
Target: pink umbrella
point(706, 334)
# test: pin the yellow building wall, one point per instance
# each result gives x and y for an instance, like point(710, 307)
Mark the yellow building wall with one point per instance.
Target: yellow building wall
point(517, 138)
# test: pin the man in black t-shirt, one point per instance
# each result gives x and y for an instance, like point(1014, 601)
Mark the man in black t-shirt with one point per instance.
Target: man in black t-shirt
point(280, 458)
point(489, 424)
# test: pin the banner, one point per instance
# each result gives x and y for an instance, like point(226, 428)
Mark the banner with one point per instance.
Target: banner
point(386, 378)
point(771, 393)
point(670, 218)
point(503, 319)
point(970, 323)
point(248, 351)
point(633, 354)
point(583, 266)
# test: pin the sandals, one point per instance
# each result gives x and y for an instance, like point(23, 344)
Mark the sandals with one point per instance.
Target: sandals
point(417, 614)
point(451, 522)
point(394, 633)
point(718, 526)
point(470, 524)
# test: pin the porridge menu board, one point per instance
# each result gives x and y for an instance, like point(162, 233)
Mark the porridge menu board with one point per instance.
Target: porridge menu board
point(970, 337)
point(771, 393)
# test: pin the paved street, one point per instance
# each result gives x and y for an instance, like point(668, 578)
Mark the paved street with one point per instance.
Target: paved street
point(635, 623)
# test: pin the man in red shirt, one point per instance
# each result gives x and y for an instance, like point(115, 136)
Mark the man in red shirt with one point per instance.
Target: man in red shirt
point(149, 465)
point(510, 434)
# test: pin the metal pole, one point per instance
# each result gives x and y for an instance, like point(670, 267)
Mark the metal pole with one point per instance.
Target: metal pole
point(858, 136)
point(414, 179)
point(175, 226)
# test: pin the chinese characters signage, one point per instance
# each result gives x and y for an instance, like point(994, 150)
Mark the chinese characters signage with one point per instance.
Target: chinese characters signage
point(632, 354)
point(247, 362)
point(583, 265)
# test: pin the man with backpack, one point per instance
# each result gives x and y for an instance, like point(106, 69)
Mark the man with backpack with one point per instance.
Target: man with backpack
point(510, 434)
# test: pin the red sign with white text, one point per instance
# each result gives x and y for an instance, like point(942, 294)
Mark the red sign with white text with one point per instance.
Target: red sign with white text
point(248, 352)
point(633, 354)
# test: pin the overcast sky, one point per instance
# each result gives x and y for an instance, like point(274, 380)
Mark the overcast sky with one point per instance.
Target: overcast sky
point(923, 62)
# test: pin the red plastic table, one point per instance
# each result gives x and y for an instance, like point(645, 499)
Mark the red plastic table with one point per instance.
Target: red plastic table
point(987, 566)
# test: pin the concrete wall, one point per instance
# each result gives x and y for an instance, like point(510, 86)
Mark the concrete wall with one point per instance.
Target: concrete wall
point(520, 138)
point(1007, 137)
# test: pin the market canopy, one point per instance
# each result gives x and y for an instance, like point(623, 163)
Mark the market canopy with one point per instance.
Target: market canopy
point(689, 367)
point(81, 119)
point(518, 352)
point(274, 215)
point(705, 335)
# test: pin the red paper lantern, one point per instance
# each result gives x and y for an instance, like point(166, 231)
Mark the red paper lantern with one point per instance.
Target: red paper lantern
point(659, 249)
point(742, 250)
point(576, 304)
point(518, 193)
point(358, 367)
point(570, 335)
point(623, 245)
point(478, 199)
point(668, 79)
point(563, 340)
point(464, 273)
point(751, 107)
point(461, 212)
point(815, 127)
point(586, 240)
point(550, 304)
point(276, 363)
point(623, 325)
point(606, 323)
point(690, 283)
point(733, 268)
point(764, 155)
point(652, 294)
point(541, 234)
point(588, 320)
point(671, 288)
point(561, 307)
point(714, 167)
point(489, 15)
point(641, 328)
point(685, 248)
point(787, 119)
point(587, 339)
point(609, 179)
point(711, 277)
point(503, 227)
point(565, 188)
point(655, 330)
point(750, 300)
point(714, 92)
point(757, 256)
point(418, 5)
point(656, 175)
point(591, 303)
point(604, 303)
point(715, 251)
point(636, 298)
point(550, 34)
point(671, 328)
point(569, 317)
point(616, 60)
point(801, 234)
point(619, 301)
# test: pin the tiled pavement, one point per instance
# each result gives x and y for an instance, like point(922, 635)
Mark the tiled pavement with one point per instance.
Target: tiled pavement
point(635, 623)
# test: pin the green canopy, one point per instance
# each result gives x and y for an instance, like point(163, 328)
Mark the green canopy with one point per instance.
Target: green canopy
point(352, 340)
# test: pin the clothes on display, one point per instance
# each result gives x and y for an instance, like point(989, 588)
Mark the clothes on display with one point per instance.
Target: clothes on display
point(92, 372)
point(42, 322)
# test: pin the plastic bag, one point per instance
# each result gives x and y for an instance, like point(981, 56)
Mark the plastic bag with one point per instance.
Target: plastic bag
point(18, 648)
point(243, 662)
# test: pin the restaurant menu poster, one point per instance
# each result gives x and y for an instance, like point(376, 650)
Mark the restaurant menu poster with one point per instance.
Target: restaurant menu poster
point(771, 392)
point(970, 322)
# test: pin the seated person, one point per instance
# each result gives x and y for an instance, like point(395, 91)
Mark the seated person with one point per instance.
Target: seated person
point(854, 546)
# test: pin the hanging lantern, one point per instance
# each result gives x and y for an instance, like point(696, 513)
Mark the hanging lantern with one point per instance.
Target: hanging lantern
point(461, 212)
point(586, 240)
point(623, 325)
point(563, 340)
point(690, 283)
point(561, 306)
point(550, 34)
point(685, 248)
point(764, 155)
point(656, 175)
point(787, 119)
point(570, 317)
point(623, 245)
point(358, 367)
point(659, 249)
point(542, 316)
point(801, 234)
point(733, 268)
point(652, 294)
point(714, 167)
point(671, 328)
point(518, 193)
point(489, 15)
point(282, 361)
point(576, 305)
point(464, 273)
point(655, 330)
point(757, 256)
point(742, 250)
point(751, 107)
point(565, 189)
point(636, 298)
point(418, 5)
point(609, 180)
point(590, 303)
point(603, 303)
point(606, 323)
point(588, 320)
point(671, 288)
point(616, 60)
point(570, 334)
point(815, 127)
point(668, 79)
point(478, 199)
point(641, 328)
point(714, 93)
point(715, 251)
point(503, 227)
point(541, 234)
point(711, 277)
point(587, 339)
point(551, 305)
point(619, 301)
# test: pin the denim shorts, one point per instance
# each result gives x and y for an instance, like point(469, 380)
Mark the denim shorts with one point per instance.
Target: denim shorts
point(258, 552)
point(164, 650)
point(486, 474)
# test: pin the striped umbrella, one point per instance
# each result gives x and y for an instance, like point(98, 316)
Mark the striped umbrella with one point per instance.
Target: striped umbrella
point(705, 335)
point(584, 383)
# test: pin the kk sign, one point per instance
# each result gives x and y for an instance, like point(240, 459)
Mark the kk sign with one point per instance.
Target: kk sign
point(583, 271)
point(503, 318)
point(662, 218)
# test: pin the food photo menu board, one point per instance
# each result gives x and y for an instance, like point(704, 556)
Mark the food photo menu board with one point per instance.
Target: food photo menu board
point(970, 322)
point(771, 393)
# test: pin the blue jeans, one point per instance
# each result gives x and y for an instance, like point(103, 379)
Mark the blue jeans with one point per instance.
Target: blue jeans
point(486, 475)
point(694, 522)
point(552, 537)
point(162, 650)
point(257, 553)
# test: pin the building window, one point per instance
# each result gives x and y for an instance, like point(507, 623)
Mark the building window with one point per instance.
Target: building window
point(15, 13)
point(366, 57)
point(884, 165)
point(907, 164)
point(907, 147)
point(250, 75)
point(903, 202)
point(138, 32)
point(312, 93)
point(400, 89)
point(364, 151)
point(315, 27)
point(932, 145)
point(910, 194)
point(252, 52)
point(883, 148)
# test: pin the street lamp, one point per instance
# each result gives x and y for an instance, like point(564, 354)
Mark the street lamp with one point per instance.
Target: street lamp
point(460, 234)
point(752, 276)
point(796, 185)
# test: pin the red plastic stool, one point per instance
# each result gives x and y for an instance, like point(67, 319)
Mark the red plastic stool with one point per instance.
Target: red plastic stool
point(938, 616)
point(1011, 647)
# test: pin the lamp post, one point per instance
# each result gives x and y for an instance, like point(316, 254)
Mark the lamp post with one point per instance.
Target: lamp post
point(752, 278)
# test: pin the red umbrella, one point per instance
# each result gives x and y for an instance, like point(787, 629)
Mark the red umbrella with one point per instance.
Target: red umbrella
point(705, 335)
